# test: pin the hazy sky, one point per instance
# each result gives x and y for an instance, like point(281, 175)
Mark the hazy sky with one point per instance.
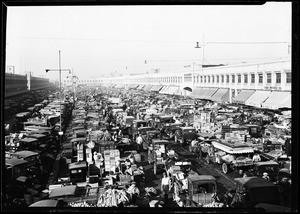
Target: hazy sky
point(98, 40)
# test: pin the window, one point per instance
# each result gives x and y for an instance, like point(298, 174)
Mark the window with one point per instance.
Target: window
point(233, 78)
point(208, 79)
point(239, 78)
point(222, 78)
point(260, 78)
point(204, 79)
point(269, 78)
point(201, 79)
point(245, 78)
point(252, 78)
point(197, 78)
point(278, 77)
point(227, 78)
point(288, 77)
point(218, 78)
point(213, 79)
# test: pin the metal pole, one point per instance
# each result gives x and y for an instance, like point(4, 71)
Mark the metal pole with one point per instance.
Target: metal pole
point(60, 92)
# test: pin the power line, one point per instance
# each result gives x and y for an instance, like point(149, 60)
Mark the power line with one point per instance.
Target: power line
point(248, 43)
point(149, 41)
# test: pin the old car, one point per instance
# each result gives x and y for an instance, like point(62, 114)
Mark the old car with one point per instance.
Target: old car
point(270, 167)
point(231, 155)
point(20, 118)
point(148, 136)
point(157, 153)
point(201, 188)
point(78, 171)
point(169, 129)
point(257, 190)
point(135, 126)
point(185, 135)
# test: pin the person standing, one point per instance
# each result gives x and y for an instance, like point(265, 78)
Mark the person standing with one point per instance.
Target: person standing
point(139, 141)
point(165, 186)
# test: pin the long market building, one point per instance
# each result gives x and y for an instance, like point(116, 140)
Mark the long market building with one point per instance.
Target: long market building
point(264, 85)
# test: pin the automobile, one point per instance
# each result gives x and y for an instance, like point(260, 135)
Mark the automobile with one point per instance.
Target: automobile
point(28, 143)
point(257, 190)
point(201, 188)
point(135, 126)
point(270, 167)
point(169, 129)
point(231, 155)
point(128, 120)
point(157, 153)
point(185, 135)
point(161, 120)
point(15, 168)
point(148, 136)
point(78, 171)
point(20, 118)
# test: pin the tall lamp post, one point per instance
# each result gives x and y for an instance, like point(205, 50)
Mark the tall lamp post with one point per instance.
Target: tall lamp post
point(60, 94)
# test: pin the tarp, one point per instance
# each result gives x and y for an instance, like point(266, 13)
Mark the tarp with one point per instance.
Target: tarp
point(257, 98)
point(209, 93)
point(277, 99)
point(222, 95)
point(242, 96)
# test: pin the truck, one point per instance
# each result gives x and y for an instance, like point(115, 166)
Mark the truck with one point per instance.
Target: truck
point(232, 155)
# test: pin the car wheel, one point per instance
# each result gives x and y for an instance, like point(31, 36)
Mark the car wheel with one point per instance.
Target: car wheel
point(224, 168)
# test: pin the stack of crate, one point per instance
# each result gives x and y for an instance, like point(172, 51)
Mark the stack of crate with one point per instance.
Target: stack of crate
point(110, 158)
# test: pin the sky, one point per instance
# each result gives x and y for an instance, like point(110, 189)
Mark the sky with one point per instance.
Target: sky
point(96, 41)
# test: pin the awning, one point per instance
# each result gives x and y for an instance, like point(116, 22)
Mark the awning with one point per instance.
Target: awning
point(140, 87)
point(147, 87)
point(198, 92)
point(277, 99)
point(173, 90)
point(242, 96)
point(164, 89)
point(222, 95)
point(156, 88)
point(257, 98)
point(287, 103)
point(209, 93)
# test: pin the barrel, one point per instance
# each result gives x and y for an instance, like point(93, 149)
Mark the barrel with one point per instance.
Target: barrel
point(28, 198)
point(137, 158)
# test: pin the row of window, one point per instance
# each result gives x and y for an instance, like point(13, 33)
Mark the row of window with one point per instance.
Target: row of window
point(215, 78)
point(70, 81)
point(226, 78)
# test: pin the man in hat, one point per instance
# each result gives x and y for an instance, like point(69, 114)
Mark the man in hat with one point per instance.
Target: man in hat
point(266, 176)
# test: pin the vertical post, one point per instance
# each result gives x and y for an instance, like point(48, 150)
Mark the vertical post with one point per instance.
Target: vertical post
point(203, 50)
point(60, 94)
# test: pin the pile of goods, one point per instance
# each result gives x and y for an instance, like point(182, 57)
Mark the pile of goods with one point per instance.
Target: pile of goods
point(112, 198)
point(81, 204)
point(214, 204)
point(150, 191)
